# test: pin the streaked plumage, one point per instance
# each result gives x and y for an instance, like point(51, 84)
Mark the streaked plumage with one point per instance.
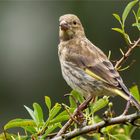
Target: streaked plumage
point(84, 66)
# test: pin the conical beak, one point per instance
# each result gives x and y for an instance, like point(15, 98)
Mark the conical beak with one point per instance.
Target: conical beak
point(64, 25)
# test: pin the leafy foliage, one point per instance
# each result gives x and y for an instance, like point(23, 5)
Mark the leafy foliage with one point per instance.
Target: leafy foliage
point(41, 127)
point(36, 127)
point(135, 92)
point(123, 18)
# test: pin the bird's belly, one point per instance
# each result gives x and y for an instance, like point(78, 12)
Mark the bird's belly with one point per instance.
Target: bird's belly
point(83, 83)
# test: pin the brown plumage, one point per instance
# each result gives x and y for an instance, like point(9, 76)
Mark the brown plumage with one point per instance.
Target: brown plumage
point(84, 66)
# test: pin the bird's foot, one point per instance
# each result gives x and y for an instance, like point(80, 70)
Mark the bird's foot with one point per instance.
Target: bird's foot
point(79, 114)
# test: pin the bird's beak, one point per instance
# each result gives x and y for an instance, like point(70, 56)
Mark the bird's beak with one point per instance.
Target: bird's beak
point(64, 25)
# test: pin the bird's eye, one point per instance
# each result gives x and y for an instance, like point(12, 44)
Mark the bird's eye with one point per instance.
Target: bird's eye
point(74, 22)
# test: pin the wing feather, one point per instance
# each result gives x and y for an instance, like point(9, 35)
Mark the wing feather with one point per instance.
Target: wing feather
point(90, 58)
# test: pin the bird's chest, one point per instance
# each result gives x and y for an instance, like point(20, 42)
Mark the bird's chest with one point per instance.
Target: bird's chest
point(64, 51)
point(68, 48)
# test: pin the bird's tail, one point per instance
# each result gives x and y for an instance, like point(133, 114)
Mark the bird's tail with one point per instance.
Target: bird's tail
point(128, 96)
point(134, 102)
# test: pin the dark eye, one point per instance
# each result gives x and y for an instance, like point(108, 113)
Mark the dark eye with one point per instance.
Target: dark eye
point(74, 22)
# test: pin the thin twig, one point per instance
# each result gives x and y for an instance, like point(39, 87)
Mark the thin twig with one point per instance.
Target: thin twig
point(69, 122)
point(71, 115)
point(126, 55)
point(96, 127)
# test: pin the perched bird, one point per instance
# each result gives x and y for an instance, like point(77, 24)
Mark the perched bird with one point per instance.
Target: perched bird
point(85, 67)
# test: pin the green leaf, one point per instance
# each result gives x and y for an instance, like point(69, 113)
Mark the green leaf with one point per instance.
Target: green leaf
point(97, 119)
point(127, 10)
point(101, 103)
point(50, 129)
point(121, 137)
point(19, 123)
point(30, 129)
point(59, 119)
point(30, 111)
point(38, 113)
point(127, 129)
point(118, 30)
point(54, 111)
point(65, 113)
point(135, 16)
point(136, 25)
point(126, 36)
point(109, 129)
point(72, 102)
point(7, 136)
point(77, 96)
point(135, 92)
point(138, 12)
point(117, 17)
point(71, 110)
point(48, 102)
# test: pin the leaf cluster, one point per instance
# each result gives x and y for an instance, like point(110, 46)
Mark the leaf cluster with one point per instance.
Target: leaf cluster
point(122, 20)
point(38, 128)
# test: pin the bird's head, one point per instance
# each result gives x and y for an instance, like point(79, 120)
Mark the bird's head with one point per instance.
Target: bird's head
point(70, 27)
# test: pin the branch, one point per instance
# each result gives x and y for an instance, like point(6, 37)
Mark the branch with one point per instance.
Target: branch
point(97, 126)
point(126, 55)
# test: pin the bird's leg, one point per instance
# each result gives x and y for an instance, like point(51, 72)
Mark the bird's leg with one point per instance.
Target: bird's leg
point(78, 118)
point(69, 122)
point(127, 106)
point(79, 115)
point(85, 103)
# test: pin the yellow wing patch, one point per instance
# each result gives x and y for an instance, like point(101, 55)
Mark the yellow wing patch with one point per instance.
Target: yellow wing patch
point(120, 93)
point(94, 75)
point(114, 90)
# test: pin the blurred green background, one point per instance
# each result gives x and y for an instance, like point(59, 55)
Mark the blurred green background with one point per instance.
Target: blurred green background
point(29, 65)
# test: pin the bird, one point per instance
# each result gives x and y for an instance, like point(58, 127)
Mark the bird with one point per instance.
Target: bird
point(85, 67)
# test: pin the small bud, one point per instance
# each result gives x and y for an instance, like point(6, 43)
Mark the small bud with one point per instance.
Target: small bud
point(121, 131)
point(106, 113)
point(102, 138)
point(105, 97)
point(110, 104)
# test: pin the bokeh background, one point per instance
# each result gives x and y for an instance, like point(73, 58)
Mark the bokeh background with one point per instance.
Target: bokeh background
point(29, 65)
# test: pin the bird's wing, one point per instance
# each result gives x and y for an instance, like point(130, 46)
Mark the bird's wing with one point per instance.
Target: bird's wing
point(95, 63)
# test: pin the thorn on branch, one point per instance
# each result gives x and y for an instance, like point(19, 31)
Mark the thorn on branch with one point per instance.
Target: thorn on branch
point(121, 51)
point(127, 53)
point(126, 67)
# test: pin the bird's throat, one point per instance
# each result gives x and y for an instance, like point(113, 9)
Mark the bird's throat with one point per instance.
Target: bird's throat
point(66, 35)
